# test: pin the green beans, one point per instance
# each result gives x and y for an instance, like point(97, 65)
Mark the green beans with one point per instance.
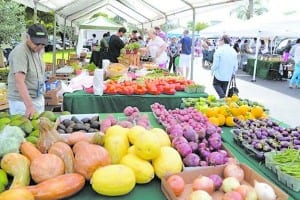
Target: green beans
point(288, 162)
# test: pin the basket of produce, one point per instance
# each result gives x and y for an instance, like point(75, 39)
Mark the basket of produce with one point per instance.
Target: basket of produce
point(115, 70)
point(194, 88)
point(286, 165)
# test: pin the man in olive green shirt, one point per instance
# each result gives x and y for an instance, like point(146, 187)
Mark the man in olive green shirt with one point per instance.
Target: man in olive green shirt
point(27, 73)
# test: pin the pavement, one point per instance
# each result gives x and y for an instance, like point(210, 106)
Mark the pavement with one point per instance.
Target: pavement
point(283, 102)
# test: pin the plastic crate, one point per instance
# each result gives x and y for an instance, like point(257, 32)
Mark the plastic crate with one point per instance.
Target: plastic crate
point(289, 181)
point(269, 162)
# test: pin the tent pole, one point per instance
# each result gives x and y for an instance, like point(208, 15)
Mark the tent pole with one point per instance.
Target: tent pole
point(193, 46)
point(54, 47)
point(64, 38)
point(35, 12)
point(256, 55)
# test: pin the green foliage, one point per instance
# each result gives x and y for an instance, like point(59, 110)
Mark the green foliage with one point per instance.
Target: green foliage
point(132, 46)
point(243, 11)
point(198, 26)
point(100, 14)
point(90, 67)
point(12, 23)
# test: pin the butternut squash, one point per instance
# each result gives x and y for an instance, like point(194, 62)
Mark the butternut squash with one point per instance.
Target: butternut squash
point(16, 194)
point(88, 157)
point(46, 166)
point(65, 152)
point(29, 150)
point(59, 187)
point(17, 166)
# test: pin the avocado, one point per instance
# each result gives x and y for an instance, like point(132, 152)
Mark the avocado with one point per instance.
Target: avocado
point(35, 133)
point(48, 114)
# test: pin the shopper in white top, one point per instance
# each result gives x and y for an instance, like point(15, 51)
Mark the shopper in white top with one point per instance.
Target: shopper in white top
point(225, 64)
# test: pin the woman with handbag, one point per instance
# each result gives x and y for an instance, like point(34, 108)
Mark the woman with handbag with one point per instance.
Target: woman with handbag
point(225, 64)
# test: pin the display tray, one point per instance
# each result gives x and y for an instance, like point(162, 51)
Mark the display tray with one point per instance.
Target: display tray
point(189, 176)
point(78, 117)
point(290, 181)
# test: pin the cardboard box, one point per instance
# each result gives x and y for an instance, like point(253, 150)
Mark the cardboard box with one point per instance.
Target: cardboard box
point(189, 176)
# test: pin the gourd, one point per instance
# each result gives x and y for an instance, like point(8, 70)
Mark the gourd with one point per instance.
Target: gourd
point(43, 166)
point(17, 194)
point(46, 166)
point(142, 169)
point(59, 187)
point(48, 135)
point(113, 180)
point(17, 166)
point(88, 157)
point(29, 150)
point(65, 152)
point(168, 162)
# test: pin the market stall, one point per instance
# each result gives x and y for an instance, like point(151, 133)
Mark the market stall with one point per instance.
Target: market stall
point(82, 102)
point(152, 190)
point(266, 68)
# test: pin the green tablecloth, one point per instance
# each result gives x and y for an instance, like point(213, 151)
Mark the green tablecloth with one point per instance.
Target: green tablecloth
point(81, 102)
point(262, 68)
point(259, 167)
point(152, 190)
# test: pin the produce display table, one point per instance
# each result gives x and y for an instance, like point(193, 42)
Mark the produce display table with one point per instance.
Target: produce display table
point(81, 102)
point(262, 68)
point(153, 191)
point(259, 167)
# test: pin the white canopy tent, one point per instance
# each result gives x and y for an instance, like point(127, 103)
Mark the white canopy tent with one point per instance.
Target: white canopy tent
point(98, 26)
point(269, 26)
point(140, 12)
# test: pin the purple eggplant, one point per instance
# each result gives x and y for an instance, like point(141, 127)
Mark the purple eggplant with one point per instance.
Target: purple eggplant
point(266, 148)
point(258, 146)
point(296, 142)
point(284, 144)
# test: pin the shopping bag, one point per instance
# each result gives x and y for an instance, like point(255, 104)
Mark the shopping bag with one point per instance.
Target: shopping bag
point(232, 88)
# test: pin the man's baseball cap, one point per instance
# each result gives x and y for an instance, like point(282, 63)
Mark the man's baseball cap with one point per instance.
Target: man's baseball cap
point(38, 34)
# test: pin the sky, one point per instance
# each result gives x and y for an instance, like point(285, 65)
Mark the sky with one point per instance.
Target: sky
point(223, 12)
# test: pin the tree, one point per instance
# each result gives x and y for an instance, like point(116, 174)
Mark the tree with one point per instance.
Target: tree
point(249, 8)
point(12, 23)
point(198, 26)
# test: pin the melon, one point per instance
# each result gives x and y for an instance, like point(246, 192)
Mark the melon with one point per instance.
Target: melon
point(134, 132)
point(113, 180)
point(116, 143)
point(162, 136)
point(168, 162)
point(142, 169)
point(147, 145)
point(131, 150)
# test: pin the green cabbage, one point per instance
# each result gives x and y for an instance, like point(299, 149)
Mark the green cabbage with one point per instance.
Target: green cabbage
point(11, 138)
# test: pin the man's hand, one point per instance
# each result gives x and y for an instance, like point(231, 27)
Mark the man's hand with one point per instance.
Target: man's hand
point(30, 112)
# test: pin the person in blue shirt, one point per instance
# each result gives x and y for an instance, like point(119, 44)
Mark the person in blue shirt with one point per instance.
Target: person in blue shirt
point(185, 44)
point(225, 65)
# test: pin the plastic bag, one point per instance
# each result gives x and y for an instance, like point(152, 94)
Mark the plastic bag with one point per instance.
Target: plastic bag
point(98, 82)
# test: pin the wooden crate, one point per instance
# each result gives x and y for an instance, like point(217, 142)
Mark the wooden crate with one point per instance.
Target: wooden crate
point(133, 59)
point(3, 104)
point(51, 98)
point(48, 66)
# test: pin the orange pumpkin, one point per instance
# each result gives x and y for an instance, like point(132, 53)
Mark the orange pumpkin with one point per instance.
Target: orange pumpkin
point(88, 157)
